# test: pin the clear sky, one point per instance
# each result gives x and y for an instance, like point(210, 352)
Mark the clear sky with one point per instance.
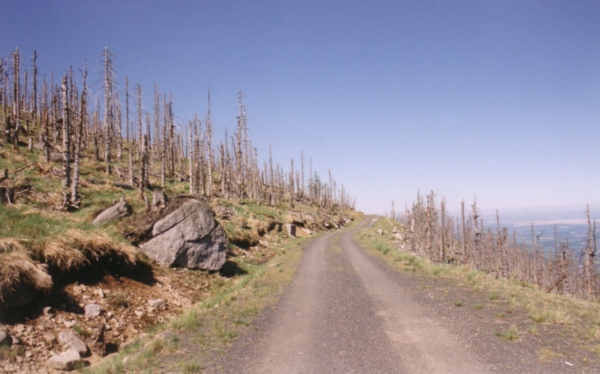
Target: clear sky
point(498, 99)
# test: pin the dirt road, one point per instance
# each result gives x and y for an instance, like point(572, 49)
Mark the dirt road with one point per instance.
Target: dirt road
point(344, 313)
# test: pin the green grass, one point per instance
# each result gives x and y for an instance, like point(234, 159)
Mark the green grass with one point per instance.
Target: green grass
point(511, 334)
point(494, 295)
point(17, 222)
point(577, 318)
point(191, 367)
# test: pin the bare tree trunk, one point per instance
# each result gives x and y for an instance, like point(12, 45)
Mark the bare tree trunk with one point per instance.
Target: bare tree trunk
point(79, 136)
point(131, 183)
point(443, 230)
point(191, 156)
point(171, 138)
point(4, 99)
point(163, 161)
point(302, 192)
point(209, 147)
point(223, 170)
point(140, 114)
point(588, 265)
point(16, 100)
point(66, 138)
point(108, 110)
point(144, 166)
point(119, 127)
point(127, 134)
point(502, 244)
point(34, 110)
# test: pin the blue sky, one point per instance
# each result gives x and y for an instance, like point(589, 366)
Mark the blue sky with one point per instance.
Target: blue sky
point(494, 99)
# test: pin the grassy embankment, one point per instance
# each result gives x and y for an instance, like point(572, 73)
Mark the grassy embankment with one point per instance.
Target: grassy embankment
point(576, 321)
point(46, 248)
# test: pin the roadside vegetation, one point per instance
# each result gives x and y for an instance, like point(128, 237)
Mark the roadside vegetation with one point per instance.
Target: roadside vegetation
point(211, 324)
point(433, 234)
point(551, 316)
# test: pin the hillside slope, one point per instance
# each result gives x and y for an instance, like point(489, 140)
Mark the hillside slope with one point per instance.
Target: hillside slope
point(56, 267)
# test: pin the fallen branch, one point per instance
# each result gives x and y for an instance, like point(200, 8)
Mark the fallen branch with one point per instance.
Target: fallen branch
point(556, 283)
point(24, 167)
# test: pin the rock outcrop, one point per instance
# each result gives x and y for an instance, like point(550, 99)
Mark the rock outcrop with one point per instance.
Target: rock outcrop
point(119, 210)
point(295, 231)
point(188, 237)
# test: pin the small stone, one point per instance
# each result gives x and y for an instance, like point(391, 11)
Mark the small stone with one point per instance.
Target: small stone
point(65, 361)
point(16, 340)
point(70, 340)
point(40, 327)
point(157, 303)
point(70, 324)
point(5, 339)
point(92, 310)
point(49, 338)
point(48, 310)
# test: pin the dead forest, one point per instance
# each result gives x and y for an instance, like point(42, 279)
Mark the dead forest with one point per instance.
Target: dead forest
point(468, 240)
point(65, 122)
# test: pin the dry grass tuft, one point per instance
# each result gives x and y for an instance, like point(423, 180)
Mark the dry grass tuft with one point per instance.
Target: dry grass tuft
point(18, 269)
point(76, 250)
point(9, 245)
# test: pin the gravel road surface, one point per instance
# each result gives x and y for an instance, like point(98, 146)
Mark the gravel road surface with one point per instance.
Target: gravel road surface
point(344, 313)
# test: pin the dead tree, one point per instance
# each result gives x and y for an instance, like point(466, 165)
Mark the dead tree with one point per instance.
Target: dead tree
point(162, 148)
point(127, 138)
point(66, 122)
point(16, 98)
point(208, 132)
point(156, 134)
point(119, 124)
point(34, 109)
point(191, 156)
point(7, 124)
point(144, 166)
point(139, 123)
point(588, 262)
point(81, 124)
point(108, 109)
point(46, 122)
point(501, 241)
point(131, 181)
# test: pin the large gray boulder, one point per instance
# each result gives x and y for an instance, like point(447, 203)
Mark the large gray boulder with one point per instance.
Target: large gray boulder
point(188, 237)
